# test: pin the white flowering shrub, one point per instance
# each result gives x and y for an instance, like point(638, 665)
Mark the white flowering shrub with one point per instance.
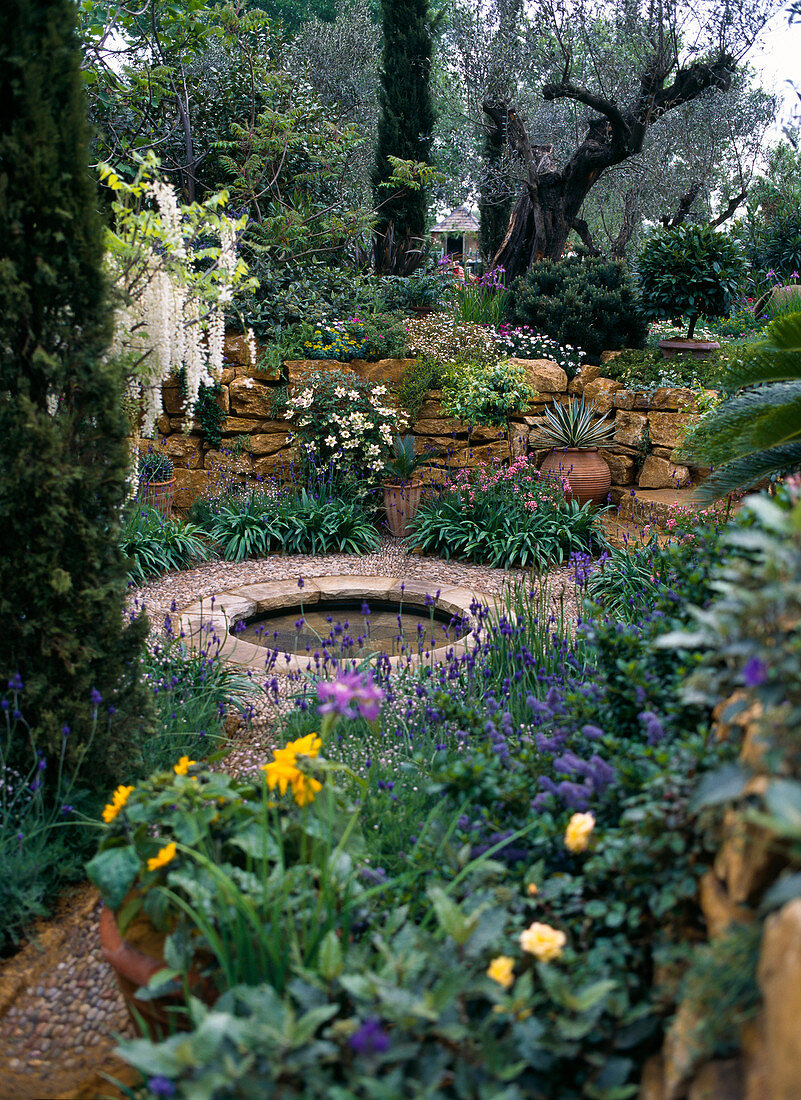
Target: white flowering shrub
point(340, 420)
point(524, 342)
point(444, 338)
point(174, 270)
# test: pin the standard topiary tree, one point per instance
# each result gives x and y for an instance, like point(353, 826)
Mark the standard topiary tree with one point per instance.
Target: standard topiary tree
point(586, 303)
point(688, 271)
point(63, 457)
point(405, 126)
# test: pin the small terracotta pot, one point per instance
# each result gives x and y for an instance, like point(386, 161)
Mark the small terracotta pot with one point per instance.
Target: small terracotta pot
point(586, 472)
point(133, 969)
point(158, 494)
point(401, 502)
point(699, 349)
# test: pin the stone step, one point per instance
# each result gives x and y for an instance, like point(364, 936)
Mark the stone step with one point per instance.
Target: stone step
point(660, 507)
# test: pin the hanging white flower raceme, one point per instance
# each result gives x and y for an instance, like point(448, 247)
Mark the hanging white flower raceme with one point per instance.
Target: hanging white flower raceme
point(173, 286)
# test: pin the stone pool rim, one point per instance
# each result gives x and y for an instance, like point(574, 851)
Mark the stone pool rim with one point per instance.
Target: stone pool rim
point(219, 613)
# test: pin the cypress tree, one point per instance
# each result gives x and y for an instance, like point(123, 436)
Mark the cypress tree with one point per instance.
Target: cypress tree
point(63, 455)
point(406, 120)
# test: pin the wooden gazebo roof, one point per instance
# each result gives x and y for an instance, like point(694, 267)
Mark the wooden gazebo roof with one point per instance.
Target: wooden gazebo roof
point(462, 220)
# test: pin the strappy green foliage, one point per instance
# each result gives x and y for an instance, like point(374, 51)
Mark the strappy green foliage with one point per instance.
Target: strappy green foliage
point(573, 425)
point(757, 432)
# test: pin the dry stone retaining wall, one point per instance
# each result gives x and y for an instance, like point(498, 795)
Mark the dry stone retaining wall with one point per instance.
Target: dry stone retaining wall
point(648, 427)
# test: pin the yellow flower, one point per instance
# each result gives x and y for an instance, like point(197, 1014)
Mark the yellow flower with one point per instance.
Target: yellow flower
point(543, 942)
point(165, 855)
point(532, 889)
point(304, 788)
point(183, 765)
point(118, 800)
point(283, 770)
point(577, 834)
point(501, 970)
point(309, 745)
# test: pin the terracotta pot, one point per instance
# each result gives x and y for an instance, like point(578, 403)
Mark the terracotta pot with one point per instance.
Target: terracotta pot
point(158, 494)
point(587, 473)
point(134, 964)
point(700, 349)
point(401, 502)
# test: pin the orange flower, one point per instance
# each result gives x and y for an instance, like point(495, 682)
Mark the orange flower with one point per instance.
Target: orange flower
point(183, 766)
point(118, 800)
point(164, 856)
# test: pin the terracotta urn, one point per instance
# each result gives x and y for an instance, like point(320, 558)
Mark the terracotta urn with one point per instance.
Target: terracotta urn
point(700, 349)
point(158, 494)
point(135, 958)
point(401, 501)
point(585, 471)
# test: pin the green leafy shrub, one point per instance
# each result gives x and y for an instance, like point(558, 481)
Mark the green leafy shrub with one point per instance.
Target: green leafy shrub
point(155, 544)
point(689, 271)
point(485, 393)
point(647, 369)
point(778, 244)
point(586, 303)
point(419, 291)
point(421, 376)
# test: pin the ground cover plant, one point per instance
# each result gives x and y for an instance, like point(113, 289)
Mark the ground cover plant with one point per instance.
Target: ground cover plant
point(504, 516)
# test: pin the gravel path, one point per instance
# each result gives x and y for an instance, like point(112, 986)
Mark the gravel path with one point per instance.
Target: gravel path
point(59, 1005)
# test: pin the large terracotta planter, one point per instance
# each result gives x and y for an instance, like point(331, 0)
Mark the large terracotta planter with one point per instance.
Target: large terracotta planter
point(401, 502)
point(586, 472)
point(158, 494)
point(699, 349)
point(134, 964)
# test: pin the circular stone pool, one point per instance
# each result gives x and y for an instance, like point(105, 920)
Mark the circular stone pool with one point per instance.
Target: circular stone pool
point(236, 616)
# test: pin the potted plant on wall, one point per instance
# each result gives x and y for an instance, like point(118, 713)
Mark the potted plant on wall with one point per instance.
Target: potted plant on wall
point(689, 271)
point(402, 489)
point(574, 434)
point(156, 480)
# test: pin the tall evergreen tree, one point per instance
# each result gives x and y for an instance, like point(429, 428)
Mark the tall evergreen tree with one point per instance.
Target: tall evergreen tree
point(405, 125)
point(62, 427)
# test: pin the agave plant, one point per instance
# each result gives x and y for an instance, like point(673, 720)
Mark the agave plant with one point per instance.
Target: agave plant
point(404, 460)
point(757, 432)
point(573, 425)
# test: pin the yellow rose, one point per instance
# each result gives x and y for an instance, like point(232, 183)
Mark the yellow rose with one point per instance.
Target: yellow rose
point(543, 942)
point(577, 834)
point(501, 970)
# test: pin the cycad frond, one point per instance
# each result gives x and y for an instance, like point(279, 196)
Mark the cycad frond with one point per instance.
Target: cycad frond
point(775, 359)
point(747, 470)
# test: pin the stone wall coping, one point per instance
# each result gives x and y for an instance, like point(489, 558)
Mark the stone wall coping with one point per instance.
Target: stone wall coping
point(219, 614)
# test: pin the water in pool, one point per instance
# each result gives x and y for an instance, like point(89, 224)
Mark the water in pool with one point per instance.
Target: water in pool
point(354, 628)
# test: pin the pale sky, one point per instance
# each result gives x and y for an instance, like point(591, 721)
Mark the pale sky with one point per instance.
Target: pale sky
point(777, 58)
